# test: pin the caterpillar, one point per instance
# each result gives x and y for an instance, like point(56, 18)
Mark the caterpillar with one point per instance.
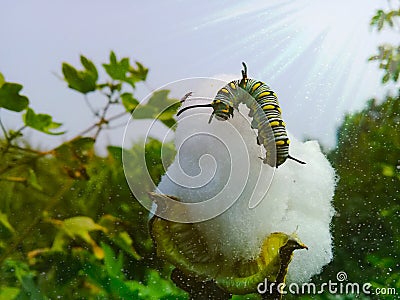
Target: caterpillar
point(264, 108)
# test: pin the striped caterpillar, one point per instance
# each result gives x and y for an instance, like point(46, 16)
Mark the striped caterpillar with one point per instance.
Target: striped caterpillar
point(264, 108)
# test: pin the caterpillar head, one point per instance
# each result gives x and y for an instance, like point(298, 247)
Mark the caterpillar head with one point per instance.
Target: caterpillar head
point(222, 111)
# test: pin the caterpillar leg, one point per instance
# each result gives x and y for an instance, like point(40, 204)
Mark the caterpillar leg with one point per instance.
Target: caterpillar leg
point(254, 124)
point(265, 160)
point(258, 141)
point(251, 113)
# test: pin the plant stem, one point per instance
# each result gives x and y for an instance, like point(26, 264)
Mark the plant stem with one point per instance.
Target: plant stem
point(91, 108)
point(13, 179)
point(3, 129)
point(103, 119)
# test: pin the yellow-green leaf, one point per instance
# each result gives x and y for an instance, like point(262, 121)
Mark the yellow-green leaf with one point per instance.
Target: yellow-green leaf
point(2, 80)
point(6, 229)
point(182, 245)
point(81, 226)
point(129, 102)
point(32, 180)
point(41, 122)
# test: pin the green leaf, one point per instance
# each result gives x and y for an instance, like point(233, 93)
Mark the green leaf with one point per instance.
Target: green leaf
point(117, 234)
point(115, 287)
point(115, 152)
point(9, 292)
point(160, 99)
point(378, 20)
point(386, 78)
point(138, 74)
point(80, 226)
point(129, 102)
point(31, 289)
point(117, 69)
point(11, 99)
point(123, 71)
point(83, 81)
point(32, 180)
point(373, 57)
point(75, 155)
point(90, 67)
point(186, 248)
point(112, 263)
point(159, 107)
point(41, 122)
point(382, 18)
point(2, 80)
point(6, 229)
point(25, 276)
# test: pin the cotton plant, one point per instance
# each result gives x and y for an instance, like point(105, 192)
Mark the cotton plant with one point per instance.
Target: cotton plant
point(235, 205)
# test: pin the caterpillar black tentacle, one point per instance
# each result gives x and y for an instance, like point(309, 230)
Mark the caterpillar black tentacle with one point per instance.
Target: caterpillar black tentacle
point(264, 109)
point(194, 106)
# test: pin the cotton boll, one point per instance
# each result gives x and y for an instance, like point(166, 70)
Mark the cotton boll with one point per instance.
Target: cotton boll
point(214, 161)
point(297, 200)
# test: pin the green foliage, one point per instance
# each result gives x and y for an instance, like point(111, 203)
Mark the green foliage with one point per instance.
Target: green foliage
point(59, 236)
point(71, 228)
point(41, 122)
point(75, 155)
point(2, 80)
point(367, 197)
point(382, 18)
point(159, 107)
point(83, 81)
point(112, 282)
point(10, 98)
point(6, 230)
point(129, 102)
point(184, 246)
point(69, 224)
point(123, 71)
point(389, 58)
point(388, 55)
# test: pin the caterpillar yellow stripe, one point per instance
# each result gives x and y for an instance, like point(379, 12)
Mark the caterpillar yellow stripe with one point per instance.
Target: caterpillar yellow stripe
point(264, 108)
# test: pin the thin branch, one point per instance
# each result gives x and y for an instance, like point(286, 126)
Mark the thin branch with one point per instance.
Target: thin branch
point(91, 108)
point(58, 76)
point(13, 179)
point(115, 126)
point(29, 150)
point(99, 128)
point(16, 133)
point(3, 129)
point(117, 116)
point(103, 118)
point(101, 121)
point(90, 128)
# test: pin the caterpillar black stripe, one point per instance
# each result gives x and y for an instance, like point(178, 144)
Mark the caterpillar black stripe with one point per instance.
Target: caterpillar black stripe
point(264, 108)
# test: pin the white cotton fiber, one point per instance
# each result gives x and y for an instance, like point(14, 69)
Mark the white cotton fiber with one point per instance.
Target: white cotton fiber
point(225, 153)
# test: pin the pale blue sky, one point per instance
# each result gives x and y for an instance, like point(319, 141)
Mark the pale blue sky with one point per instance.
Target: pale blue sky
point(312, 53)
